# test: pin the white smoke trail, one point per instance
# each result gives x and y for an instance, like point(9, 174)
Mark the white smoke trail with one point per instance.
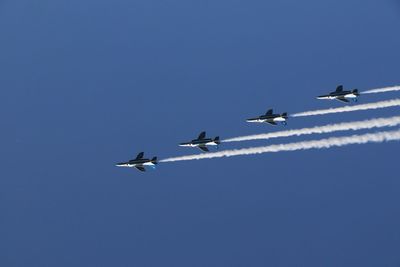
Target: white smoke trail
point(376, 105)
point(314, 144)
point(329, 128)
point(382, 90)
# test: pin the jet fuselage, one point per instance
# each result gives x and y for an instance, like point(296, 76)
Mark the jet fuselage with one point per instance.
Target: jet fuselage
point(341, 95)
point(201, 142)
point(136, 163)
point(335, 95)
point(272, 119)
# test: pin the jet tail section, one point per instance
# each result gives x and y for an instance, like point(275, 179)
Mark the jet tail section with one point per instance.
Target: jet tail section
point(154, 160)
point(217, 140)
point(284, 114)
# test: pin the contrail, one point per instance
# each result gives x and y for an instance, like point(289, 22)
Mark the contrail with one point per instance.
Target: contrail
point(329, 128)
point(376, 105)
point(382, 90)
point(314, 144)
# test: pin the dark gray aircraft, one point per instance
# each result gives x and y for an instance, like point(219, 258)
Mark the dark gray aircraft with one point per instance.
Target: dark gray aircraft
point(271, 118)
point(202, 142)
point(341, 95)
point(139, 163)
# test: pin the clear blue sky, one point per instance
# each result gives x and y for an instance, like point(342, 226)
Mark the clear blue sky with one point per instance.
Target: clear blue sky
point(85, 84)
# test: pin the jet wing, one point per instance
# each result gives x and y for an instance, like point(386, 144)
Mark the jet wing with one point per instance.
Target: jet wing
point(339, 89)
point(271, 122)
point(204, 148)
point(140, 168)
point(342, 99)
point(202, 135)
point(140, 155)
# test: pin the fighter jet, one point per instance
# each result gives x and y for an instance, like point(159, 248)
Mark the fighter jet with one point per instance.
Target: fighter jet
point(202, 142)
point(341, 95)
point(271, 118)
point(139, 163)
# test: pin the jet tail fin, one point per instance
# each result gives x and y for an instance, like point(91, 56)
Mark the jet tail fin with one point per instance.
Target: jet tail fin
point(284, 114)
point(217, 140)
point(355, 91)
point(339, 88)
point(154, 160)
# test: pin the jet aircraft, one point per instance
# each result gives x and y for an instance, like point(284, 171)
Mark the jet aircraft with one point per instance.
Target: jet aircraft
point(139, 162)
point(202, 142)
point(341, 95)
point(271, 118)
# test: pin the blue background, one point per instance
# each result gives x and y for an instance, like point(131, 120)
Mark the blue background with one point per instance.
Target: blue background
point(85, 84)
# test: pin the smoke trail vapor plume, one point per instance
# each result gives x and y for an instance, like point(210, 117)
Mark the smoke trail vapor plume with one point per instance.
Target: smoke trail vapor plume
point(382, 90)
point(314, 144)
point(376, 105)
point(355, 125)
